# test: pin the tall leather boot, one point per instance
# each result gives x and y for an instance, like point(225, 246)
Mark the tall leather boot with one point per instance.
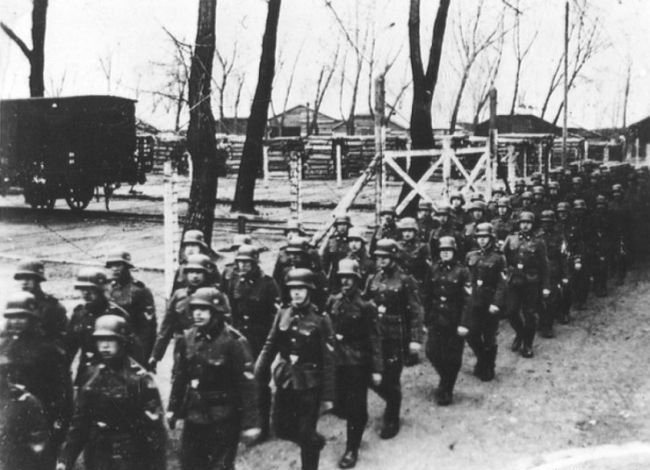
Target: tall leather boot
point(349, 458)
point(490, 359)
point(391, 418)
point(527, 346)
point(264, 399)
point(310, 452)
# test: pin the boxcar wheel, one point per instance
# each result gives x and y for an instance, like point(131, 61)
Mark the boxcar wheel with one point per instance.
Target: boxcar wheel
point(39, 197)
point(79, 197)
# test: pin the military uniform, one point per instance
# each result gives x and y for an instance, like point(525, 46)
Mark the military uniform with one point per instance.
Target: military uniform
point(336, 249)
point(320, 293)
point(134, 297)
point(214, 392)
point(367, 265)
point(447, 292)
point(414, 258)
point(24, 429)
point(79, 337)
point(400, 316)
point(304, 375)
point(487, 268)
point(254, 299)
point(52, 317)
point(118, 420)
point(503, 226)
point(555, 305)
point(358, 355)
point(527, 276)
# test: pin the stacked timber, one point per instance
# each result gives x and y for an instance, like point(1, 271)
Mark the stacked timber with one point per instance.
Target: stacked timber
point(319, 158)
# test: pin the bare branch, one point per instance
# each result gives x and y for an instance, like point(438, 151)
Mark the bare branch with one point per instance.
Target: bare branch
point(19, 42)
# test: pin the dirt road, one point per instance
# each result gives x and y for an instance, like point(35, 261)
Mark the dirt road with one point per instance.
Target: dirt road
point(587, 387)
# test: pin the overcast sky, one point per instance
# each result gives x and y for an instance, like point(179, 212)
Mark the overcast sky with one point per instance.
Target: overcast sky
point(128, 37)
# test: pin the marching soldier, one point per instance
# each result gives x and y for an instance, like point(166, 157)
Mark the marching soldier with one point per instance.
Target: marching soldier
point(50, 312)
point(622, 221)
point(24, 430)
point(194, 244)
point(254, 299)
point(477, 212)
point(134, 297)
point(527, 282)
point(504, 223)
point(400, 316)
point(447, 292)
point(40, 366)
point(487, 267)
point(303, 338)
point(292, 230)
point(118, 418)
point(213, 389)
point(603, 241)
point(426, 222)
point(539, 203)
point(358, 252)
point(520, 187)
point(580, 233)
point(457, 213)
point(298, 252)
point(556, 251)
point(230, 269)
point(336, 248)
point(447, 228)
point(178, 317)
point(92, 284)
point(414, 257)
point(358, 355)
point(498, 191)
point(387, 227)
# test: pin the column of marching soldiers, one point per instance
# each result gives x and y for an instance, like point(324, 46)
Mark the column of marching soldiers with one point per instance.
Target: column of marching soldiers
point(325, 327)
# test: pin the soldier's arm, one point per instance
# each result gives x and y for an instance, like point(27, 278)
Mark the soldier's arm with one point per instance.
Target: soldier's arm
point(242, 358)
point(416, 311)
point(144, 302)
point(543, 265)
point(180, 380)
point(166, 330)
point(60, 318)
point(72, 339)
point(153, 421)
point(329, 360)
point(268, 353)
point(374, 333)
point(78, 433)
point(500, 292)
point(466, 293)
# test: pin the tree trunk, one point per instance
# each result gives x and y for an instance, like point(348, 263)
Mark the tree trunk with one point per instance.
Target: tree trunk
point(201, 141)
point(244, 200)
point(459, 97)
point(37, 57)
point(516, 91)
point(424, 85)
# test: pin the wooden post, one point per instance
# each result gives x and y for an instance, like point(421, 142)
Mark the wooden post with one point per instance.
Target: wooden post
point(586, 155)
point(540, 157)
point(295, 180)
point(446, 164)
point(637, 151)
point(380, 174)
point(265, 164)
point(339, 166)
point(492, 145)
point(565, 131)
point(512, 167)
point(170, 224)
point(606, 153)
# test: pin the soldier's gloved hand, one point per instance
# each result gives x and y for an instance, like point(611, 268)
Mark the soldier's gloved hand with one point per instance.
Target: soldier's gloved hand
point(546, 293)
point(60, 466)
point(462, 331)
point(565, 281)
point(151, 364)
point(171, 420)
point(376, 379)
point(494, 309)
point(250, 436)
point(414, 348)
point(326, 407)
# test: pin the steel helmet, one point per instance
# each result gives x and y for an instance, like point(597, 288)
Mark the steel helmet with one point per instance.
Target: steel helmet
point(91, 277)
point(198, 262)
point(386, 247)
point(111, 326)
point(477, 197)
point(447, 243)
point(356, 233)
point(443, 209)
point(247, 253)
point(526, 195)
point(499, 188)
point(300, 277)
point(484, 229)
point(349, 267)
point(119, 257)
point(342, 219)
point(536, 176)
point(601, 200)
point(240, 239)
point(293, 226)
point(30, 268)
point(520, 183)
point(553, 185)
point(527, 216)
point(562, 207)
point(194, 237)
point(580, 204)
point(407, 223)
point(476, 205)
point(503, 202)
point(576, 180)
point(387, 210)
point(298, 245)
point(457, 195)
point(538, 189)
point(20, 303)
point(547, 216)
point(617, 188)
point(210, 297)
point(425, 205)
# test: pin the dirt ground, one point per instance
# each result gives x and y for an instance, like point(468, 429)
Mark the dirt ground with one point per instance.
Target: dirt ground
point(586, 388)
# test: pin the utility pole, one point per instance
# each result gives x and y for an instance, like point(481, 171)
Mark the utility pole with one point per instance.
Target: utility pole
point(565, 132)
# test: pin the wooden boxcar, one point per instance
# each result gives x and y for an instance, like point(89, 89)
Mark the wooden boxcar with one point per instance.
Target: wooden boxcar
point(66, 147)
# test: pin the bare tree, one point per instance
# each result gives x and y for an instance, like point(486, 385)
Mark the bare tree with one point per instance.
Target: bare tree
point(227, 64)
point(35, 55)
point(56, 86)
point(241, 78)
point(287, 90)
point(201, 140)
point(244, 199)
point(424, 84)
point(487, 81)
point(324, 79)
point(471, 43)
point(626, 93)
point(520, 54)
